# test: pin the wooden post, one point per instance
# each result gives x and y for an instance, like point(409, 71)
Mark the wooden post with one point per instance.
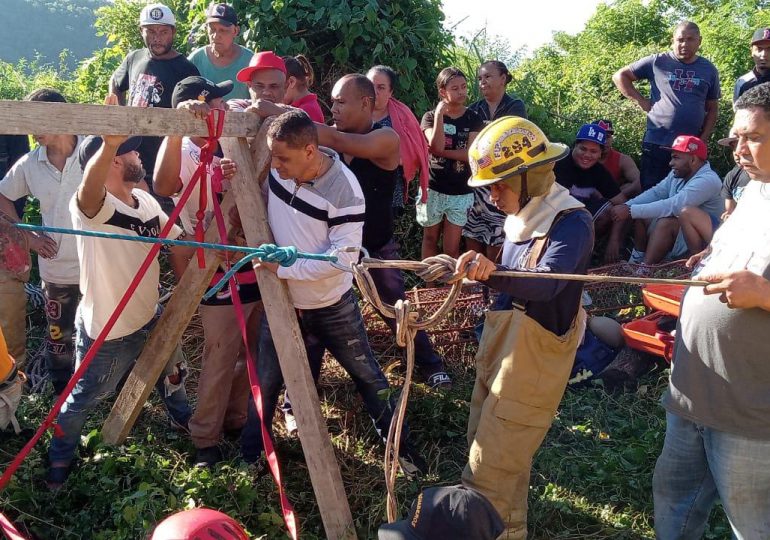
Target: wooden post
point(316, 445)
point(163, 340)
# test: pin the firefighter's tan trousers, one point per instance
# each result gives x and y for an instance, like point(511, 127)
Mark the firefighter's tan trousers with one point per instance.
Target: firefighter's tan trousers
point(521, 373)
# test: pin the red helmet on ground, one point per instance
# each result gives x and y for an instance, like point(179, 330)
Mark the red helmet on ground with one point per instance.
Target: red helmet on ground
point(199, 524)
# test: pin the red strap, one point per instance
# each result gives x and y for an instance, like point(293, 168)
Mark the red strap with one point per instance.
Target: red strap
point(80, 371)
point(9, 530)
point(215, 123)
point(272, 459)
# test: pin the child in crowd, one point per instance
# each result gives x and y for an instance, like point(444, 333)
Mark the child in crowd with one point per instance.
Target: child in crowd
point(450, 129)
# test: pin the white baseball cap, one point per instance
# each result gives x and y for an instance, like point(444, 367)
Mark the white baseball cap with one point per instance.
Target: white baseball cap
point(157, 14)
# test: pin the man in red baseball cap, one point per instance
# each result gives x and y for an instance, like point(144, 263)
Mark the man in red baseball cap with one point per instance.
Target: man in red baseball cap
point(266, 79)
point(760, 53)
point(660, 213)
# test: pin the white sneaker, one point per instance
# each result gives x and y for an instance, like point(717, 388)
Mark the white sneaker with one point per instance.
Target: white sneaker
point(291, 423)
point(637, 257)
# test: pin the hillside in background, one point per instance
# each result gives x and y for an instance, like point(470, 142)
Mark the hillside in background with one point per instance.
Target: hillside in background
point(44, 28)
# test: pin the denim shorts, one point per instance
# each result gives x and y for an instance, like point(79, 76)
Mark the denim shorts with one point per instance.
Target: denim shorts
point(454, 207)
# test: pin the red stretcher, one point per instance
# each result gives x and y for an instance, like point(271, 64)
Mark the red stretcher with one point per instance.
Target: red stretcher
point(666, 298)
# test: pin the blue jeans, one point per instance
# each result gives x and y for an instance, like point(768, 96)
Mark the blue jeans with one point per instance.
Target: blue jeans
point(389, 283)
point(654, 164)
point(700, 464)
point(340, 329)
point(111, 364)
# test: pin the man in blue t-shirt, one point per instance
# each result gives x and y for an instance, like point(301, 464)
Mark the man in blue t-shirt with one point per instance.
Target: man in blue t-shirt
point(684, 94)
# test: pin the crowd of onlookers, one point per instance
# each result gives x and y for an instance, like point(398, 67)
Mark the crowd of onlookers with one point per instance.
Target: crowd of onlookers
point(343, 184)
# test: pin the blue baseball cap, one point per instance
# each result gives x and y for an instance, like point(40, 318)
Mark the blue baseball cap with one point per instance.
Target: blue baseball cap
point(592, 133)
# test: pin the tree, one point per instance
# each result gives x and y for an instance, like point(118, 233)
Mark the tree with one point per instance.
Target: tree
point(469, 52)
point(349, 36)
point(568, 81)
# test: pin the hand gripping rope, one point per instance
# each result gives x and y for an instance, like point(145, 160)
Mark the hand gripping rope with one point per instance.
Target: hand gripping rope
point(206, 157)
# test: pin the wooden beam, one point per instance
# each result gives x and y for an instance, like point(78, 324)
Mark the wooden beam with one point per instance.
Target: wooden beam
point(29, 117)
point(316, 445)
point(163, 340)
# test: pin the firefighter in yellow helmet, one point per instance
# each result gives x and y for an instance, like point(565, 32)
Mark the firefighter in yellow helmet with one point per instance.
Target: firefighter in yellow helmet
point(530, 337)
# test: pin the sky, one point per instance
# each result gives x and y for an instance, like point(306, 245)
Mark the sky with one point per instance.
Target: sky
point(529, 23)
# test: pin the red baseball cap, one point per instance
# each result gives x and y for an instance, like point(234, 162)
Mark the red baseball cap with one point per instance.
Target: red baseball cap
point(261, 60)
point(689, 144)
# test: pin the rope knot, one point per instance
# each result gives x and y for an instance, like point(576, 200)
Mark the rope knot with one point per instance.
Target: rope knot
point(285, 256)
point(440, 268)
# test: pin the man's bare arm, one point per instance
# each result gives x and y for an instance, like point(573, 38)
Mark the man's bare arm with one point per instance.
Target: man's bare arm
point(624, 81)
point(91, 193)
point(712, 111)
point(119, 94)
point(630, 173)
point(381, 146)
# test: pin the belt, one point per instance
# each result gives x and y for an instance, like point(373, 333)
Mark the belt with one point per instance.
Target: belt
point(11, 379)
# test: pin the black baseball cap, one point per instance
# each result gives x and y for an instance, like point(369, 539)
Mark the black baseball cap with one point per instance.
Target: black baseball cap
point(729, 141)
point(760, 34)
point(92, 143)
point(448, 513)
point(200, 89)
point(222, 13)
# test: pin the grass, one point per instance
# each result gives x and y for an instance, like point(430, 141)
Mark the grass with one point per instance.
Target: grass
point(591, 478)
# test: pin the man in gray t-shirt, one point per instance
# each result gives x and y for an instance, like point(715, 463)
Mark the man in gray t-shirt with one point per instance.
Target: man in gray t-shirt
point(684, 94)
point(718, 403)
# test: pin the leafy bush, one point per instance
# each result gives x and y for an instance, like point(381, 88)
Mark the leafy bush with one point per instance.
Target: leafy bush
point(39, 29)
point(350, 36)
point(19, 79)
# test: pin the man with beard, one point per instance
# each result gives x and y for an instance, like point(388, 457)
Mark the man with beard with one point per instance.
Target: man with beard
point(150, 74)
point(684, 98)
point(50, 173)
point(107, 201)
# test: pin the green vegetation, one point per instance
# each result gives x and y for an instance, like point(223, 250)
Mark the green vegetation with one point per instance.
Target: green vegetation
point(569, 81)
point(592, 477)
point(57, 25)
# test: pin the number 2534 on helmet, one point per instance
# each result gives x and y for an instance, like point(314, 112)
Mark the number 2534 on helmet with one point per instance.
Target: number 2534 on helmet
point(507, 147)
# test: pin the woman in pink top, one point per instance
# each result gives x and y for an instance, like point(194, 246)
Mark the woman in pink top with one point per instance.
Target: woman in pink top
point(300, 78)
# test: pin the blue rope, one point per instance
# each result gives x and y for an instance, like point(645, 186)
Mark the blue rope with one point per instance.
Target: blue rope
point(285, 256)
